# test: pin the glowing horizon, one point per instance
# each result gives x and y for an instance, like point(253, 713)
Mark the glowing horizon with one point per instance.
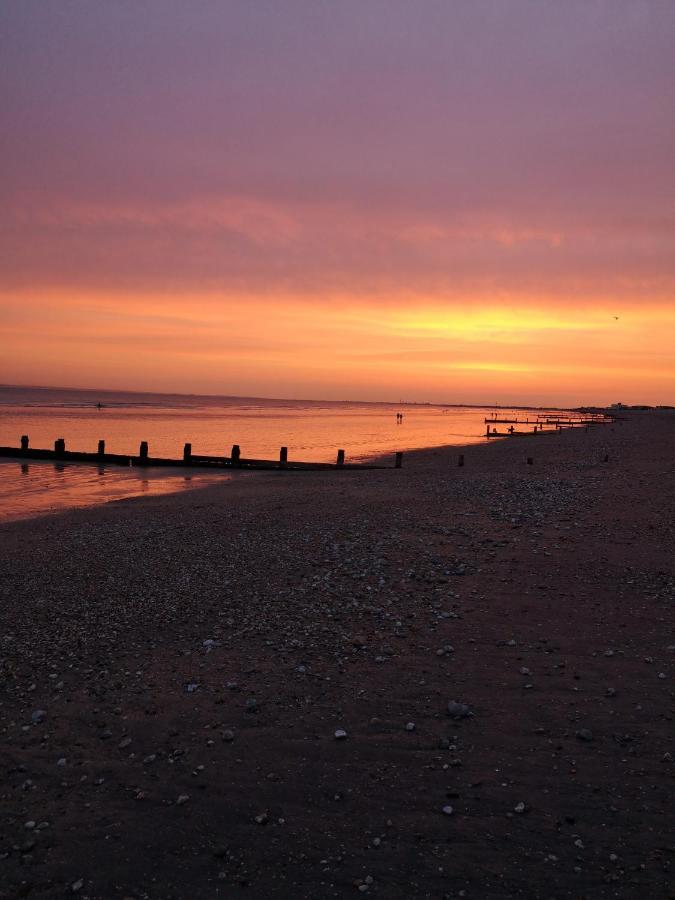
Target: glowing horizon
point(455, 204)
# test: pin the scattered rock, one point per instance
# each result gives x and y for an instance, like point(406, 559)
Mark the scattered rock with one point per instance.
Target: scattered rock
point(457, 710)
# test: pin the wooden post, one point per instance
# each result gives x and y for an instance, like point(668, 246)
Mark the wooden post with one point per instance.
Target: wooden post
point(460, 461)
point(530, 461)
point(143, 452)
point(59, 446)
point(340, 458)
point(235, 455)
point(606, 457)
point(283, 457)
point(187, 453)
point(101, 448)
point(399, 460)
point(487, 430)
point(24, 442)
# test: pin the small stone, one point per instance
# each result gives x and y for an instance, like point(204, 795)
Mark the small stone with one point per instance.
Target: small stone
point(262, 819)
point(38, 716)
point(609, 653)
point(459, 710)
point(29, 825)
point(182, 799)
point(62, 761)
point(519, 807)
point(584, 734)
point(77, 885)
point(192, 687)
point(448, 810)
point(410, 726)
point(251, 706)
point(525, 671)
point(340, 734)
point(228, 735)
point(124, 743)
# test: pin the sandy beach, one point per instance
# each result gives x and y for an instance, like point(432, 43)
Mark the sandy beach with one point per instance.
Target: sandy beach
point(175, 670)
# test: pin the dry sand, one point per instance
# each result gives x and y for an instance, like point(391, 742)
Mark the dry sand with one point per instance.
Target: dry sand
point(174, 671)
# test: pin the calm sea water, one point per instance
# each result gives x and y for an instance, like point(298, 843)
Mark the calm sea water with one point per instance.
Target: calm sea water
point(312, 430)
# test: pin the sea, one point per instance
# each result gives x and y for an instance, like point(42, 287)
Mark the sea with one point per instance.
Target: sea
point(313, 430)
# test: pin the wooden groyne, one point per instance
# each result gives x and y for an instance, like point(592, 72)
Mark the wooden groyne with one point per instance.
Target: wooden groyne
point(543, 424)
point(195, 460)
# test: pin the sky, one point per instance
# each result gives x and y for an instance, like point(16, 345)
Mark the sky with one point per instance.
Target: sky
point(458, 201)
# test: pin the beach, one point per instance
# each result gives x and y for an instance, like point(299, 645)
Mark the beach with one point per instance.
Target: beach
point(244, 689)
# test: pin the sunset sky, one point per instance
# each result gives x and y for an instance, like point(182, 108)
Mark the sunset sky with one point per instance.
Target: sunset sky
point(368, 199)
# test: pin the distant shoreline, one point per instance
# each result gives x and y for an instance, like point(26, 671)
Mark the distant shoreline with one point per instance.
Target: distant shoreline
point(96, 393)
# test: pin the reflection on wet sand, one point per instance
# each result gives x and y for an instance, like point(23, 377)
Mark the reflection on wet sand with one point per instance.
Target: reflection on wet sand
point(38, 488)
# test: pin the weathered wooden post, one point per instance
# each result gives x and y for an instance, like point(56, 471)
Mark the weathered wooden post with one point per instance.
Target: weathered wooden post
point(24, 442)
point(235, 455)
point(143, 452)
point(59, 446)
point(460, 461)
point(101, 448)
point(187, 454)
point(340, 458)
point(399, 460)
point(283, 457)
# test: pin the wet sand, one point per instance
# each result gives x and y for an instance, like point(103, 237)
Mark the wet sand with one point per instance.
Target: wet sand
point(175, 669)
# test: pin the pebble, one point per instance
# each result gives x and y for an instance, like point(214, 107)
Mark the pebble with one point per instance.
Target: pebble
point(410, 726)
point(459, 710)
point(448, 810)
point(251, 706)
point(183, 798)
point(228, 735)
point(584, 734)
point(192, 687)
point(519, 807)
point(340, 734)
point(62, 761)
point(77, 885)
point(38, 716)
